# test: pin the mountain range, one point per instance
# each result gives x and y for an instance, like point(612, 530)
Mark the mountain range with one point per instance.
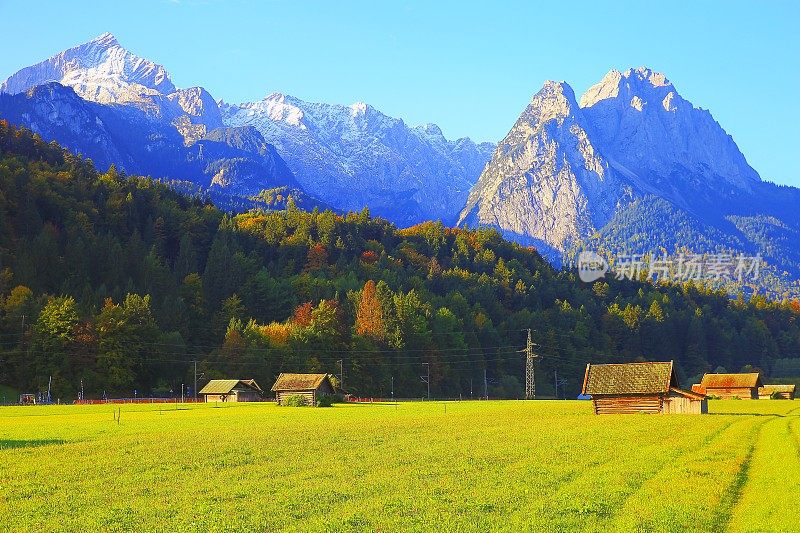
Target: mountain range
point(629, 167)
point(116, 107)
point(632, 167)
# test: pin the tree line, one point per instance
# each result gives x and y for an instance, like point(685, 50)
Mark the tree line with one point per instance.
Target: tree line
point(118, 284)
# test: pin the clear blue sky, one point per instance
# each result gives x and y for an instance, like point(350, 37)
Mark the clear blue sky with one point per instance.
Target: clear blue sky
point(469, 67)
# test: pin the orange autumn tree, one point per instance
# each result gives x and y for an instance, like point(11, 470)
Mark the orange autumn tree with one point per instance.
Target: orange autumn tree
point(369, 315)
point(317, 257)
point(302, 315)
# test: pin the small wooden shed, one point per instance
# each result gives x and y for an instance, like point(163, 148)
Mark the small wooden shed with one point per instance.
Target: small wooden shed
point(727, 386)
point(232, 390)
point(639, 388)
point(783, 392)
point(309, 386)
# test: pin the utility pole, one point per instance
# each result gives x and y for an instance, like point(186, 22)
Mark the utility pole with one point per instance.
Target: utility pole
point(530, 381)
point(556, 384)
point(22, 333)
point(427, 379)
point(341, 373)
point(393, 388)
point(485, 385)
point(195, 379)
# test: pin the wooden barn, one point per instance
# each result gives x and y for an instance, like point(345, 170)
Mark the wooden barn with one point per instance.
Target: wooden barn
point(639, 388)
point(782, 392)
point(309, 386)
point(232, 390)
point(726, 386)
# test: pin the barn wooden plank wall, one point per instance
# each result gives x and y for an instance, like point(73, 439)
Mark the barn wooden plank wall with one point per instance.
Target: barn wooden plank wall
point(682, 405)
point(743, 393)
point(627, 404)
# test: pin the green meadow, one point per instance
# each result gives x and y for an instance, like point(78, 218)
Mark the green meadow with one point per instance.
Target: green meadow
point(457, 466)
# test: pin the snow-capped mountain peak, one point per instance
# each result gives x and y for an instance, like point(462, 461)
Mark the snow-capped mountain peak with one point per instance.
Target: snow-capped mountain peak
point(354, 156)
point(99, 70)
point(358, 109)
point(106, 39)
point(350, 156)
point(277, 106)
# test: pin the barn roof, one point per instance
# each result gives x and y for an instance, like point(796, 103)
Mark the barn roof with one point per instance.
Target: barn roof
point(769, 389)
point(731, 381)
point(693, 394)
point(225, 386)
point(300, 382)
point(629, 378)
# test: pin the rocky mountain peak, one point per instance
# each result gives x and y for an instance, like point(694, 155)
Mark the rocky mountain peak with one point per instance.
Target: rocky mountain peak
point(106, 40)
point(556, 99)
point(637, 86)
point(100, 70)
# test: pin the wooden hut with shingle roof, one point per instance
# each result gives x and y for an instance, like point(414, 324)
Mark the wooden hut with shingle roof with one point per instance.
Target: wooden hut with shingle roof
point(231, 390)
point(726, 386)
point(309, 386)
point(639, 388)
point(780, 392)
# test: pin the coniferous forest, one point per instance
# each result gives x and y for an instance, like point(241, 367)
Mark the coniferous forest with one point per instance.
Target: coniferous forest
point(120, 284)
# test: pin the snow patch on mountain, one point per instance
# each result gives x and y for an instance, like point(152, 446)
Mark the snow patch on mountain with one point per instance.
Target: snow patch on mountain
point(355, 156)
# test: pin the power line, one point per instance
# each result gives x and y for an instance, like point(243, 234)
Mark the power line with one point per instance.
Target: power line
point(530, 381)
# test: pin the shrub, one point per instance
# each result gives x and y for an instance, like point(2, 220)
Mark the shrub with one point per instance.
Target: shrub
point(325, 400)
point(295, 400)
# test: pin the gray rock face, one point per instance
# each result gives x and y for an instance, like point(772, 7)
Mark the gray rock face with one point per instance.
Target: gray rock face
point(642, 123)
point(547, 182)
point(355, 156)
point(564, 169)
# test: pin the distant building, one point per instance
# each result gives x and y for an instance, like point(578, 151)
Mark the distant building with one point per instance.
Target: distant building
point(232, 390)
point(783, 392)
point(743, 386)
point(309, 386)
point(639, 388)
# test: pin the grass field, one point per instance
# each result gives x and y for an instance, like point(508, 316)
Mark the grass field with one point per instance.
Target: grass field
point(464, 466)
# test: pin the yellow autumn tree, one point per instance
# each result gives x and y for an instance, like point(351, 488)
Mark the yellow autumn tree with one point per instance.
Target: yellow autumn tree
point(369, 315)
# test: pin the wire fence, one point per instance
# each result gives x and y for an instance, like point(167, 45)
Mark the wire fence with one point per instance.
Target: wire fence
point(139, 400)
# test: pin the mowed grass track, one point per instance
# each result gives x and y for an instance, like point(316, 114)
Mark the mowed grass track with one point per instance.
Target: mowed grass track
point(462, 466)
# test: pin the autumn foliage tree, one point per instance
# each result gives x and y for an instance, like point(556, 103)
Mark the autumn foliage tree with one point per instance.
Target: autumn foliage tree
point(317, 257)
point(369, 315)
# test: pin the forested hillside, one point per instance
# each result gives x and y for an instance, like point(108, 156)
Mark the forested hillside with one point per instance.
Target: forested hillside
point(120, 282)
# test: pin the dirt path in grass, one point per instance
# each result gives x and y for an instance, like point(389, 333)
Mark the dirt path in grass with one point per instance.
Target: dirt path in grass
point(688, 492)
point(768, 499)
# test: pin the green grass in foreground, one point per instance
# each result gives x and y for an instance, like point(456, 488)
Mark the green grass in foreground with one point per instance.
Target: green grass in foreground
point(513, 466)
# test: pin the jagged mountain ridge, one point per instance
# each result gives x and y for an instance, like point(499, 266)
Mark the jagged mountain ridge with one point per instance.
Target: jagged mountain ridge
point(570, 174)
point(355, 156)
point(230, 159)
point(347, 156)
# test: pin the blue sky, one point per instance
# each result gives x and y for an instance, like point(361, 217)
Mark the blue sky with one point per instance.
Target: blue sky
point(470, 67)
